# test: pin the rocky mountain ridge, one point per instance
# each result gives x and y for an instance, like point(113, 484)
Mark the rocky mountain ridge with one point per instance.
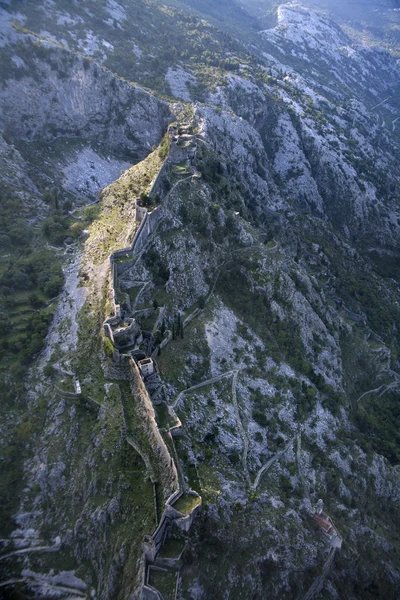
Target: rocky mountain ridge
point(277, 194)
point(75, 111)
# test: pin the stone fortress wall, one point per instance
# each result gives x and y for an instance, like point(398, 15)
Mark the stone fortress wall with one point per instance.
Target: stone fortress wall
point(166, 471)
point(166, 465)
point(149, 222)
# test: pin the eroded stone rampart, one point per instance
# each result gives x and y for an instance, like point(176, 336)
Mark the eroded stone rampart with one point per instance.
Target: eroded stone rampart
point(160, 463)
point(165, 468)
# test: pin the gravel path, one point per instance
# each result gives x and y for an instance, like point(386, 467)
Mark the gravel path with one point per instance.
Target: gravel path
point(240, 425)
point(54, 548)
point(269, 464)
point(200, 385)
point(320, 580)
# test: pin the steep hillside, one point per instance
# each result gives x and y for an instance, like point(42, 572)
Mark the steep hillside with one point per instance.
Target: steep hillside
point(69, 127)
point(75, 124)
point(277, 365)
point(250, 256)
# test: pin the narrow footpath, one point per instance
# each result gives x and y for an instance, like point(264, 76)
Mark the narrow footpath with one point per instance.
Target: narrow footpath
point(269, 464)
point(318, 584)
point(200, 385)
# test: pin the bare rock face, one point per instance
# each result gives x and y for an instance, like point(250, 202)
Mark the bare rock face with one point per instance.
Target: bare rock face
point(178, 81)
point(327, 57)
point(323, 148)
point(79, 97)
point(75, 121)
point(336, 167)
point(14, 168)
point(279, 333)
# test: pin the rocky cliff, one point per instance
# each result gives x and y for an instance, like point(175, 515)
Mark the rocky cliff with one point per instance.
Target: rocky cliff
point(270, 281)
point(74, 123)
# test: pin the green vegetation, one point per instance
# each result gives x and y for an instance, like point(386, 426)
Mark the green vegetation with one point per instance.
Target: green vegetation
point(164, 147)
point(228, 548)
point(94, 435)
point(386, 265)
point(120, 470)
point(164, 581)
point(158, 266)
point(173, 360)
point(28, 50)
point(58, 225)
point(171, 548)
point(181, 38)
point(186, 503)
point(29, 279)
point(27, 423)
point(113, 222)
point(108, 347)
point(164, 419)
point(86, 357)
point(360, 368)
point(378, 419)
point(282, 337)
point(359, 286)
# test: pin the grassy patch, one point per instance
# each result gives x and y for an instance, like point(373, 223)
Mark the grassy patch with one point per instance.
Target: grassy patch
point(210, 483)
point(164, 419)
point(164, 582)
point(133, 292)
point(172, 548)
point(186, 503)
point(114, 224)
point(173, 361)
point(147, 323)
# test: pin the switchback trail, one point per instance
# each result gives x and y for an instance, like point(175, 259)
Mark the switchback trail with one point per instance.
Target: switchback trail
point(320, 580)
point(240, 424)
point(243, 433)
point(269, 464)
point(380, 390)
point(200, 385)
point(54, 548)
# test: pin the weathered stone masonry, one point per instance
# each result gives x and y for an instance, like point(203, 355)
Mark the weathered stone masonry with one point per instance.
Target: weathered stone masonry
point(165, 471)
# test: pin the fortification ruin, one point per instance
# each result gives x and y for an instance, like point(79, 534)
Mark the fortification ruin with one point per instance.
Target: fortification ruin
point(124, 333)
